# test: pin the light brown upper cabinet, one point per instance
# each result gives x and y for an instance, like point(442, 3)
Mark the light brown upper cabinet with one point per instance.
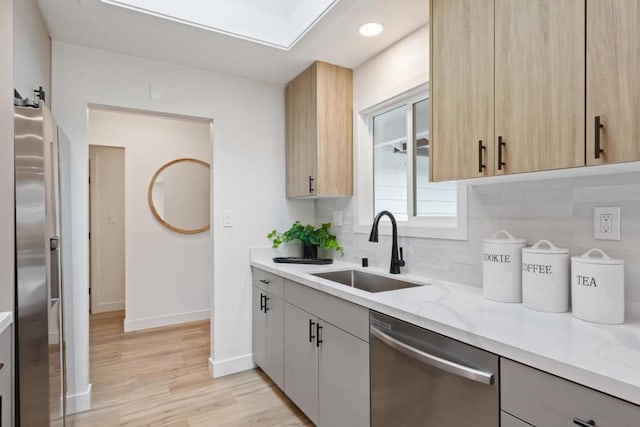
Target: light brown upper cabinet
point(319, 132)
point(507, 86)
point(539, 84)
point(613, 81)
point(462, 143)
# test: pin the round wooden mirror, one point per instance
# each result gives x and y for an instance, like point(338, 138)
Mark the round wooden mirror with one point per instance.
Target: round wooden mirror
point(179, 195)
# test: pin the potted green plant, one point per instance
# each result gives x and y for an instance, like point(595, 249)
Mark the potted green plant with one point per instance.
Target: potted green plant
point(310, 237)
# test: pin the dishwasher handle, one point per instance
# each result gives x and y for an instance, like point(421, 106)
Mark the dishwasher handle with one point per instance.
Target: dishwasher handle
point(433, 360)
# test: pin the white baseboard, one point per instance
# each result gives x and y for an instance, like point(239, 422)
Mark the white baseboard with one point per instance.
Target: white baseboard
point(230, 366)
point(79, 402)
point(103, 307)
point(168, 320)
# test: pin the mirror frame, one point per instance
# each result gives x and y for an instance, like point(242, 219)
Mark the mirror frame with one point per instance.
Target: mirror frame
point(155, 211)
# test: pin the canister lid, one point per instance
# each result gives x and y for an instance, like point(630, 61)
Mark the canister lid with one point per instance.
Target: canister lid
point(508, 240)
point(545, 247)
point(602, 259)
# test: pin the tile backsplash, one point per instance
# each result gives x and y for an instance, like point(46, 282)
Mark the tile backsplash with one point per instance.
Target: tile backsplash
point(559, 210)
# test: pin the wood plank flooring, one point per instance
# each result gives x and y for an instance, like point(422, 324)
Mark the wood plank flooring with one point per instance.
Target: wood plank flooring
point(160, 378)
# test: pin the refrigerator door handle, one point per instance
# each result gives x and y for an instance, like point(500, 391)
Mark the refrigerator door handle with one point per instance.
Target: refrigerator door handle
point(54, 245)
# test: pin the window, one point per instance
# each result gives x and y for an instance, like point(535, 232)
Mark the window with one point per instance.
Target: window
point(394, 138)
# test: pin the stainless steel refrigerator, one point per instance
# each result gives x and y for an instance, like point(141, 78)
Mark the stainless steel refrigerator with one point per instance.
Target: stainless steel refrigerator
point(40, 373)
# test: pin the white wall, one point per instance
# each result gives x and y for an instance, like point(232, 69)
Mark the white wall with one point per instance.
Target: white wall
point(7, 260)
point(248, 175)
point(168, 275)
point(403, 66)
point(32, 49)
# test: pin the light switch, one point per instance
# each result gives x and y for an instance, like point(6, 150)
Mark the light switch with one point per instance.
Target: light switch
point(113, 218)
point(155, 93)
point(337, 218)
point(227, 219)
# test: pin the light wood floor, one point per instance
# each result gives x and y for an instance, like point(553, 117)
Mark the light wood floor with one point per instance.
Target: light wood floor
point(160, 378)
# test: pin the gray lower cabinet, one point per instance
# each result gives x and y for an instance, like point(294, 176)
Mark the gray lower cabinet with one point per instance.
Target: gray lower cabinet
point(259, 329)
point(268, 336)
point(301, 360)
point(326, 357)
point(544, 400)
point(6, 398)
point(343, 378)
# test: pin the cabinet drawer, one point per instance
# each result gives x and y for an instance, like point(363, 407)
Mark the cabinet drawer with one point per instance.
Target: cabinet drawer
point(347, 316)
point(268, 282)
point(507, 420)
point(5, 350)
point(545, 400)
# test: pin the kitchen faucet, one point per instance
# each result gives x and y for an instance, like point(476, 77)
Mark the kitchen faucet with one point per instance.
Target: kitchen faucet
point(396, 262)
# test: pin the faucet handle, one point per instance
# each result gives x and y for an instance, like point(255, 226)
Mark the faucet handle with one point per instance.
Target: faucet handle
point(401, 262)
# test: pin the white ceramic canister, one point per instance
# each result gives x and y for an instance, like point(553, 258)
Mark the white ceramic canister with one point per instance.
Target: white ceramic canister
point(501, 267)
point(545, 277)
point(597, 288)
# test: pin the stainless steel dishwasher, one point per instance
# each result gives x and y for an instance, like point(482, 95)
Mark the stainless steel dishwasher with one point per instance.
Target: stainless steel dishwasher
point(420, 378)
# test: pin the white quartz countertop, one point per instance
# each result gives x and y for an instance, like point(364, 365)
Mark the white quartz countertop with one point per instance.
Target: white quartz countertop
point(603, 357)
point(6, 317)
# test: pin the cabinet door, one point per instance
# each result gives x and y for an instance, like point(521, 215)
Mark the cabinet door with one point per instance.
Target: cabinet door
point(275, 339)
point(259, 329)
point(301, 360)
point(5, 400)
point(343, 378)
point(301, 128)
point(539, 84)
point(335, 130)
point(461, 89)
point(613, 79)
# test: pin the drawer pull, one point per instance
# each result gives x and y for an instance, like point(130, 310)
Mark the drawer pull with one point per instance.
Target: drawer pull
point(266, 282)
point(262, 302)
point(579, 422)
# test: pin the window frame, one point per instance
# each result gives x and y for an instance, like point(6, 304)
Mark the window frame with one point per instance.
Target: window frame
point(444, 227)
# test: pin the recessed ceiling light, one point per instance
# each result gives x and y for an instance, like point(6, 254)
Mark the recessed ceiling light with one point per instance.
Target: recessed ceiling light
point(370, 29)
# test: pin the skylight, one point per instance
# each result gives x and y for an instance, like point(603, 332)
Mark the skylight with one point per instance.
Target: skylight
point(276, 23)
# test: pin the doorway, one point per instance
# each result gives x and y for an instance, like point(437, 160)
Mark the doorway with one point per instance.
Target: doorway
point(106, 229)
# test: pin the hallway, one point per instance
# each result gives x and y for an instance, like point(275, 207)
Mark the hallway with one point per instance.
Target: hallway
point(160, 377)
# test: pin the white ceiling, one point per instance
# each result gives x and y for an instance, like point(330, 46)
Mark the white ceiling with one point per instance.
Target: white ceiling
point(334, 38)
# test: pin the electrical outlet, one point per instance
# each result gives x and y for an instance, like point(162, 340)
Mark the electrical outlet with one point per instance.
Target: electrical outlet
point(606, 223)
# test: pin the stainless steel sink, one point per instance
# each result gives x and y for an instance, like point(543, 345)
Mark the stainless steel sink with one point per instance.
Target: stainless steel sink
point(365, 281)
